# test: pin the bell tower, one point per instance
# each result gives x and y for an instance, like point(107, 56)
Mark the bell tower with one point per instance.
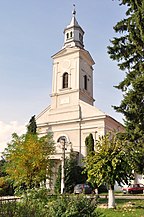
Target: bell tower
point(72, 70)
point(73, 33)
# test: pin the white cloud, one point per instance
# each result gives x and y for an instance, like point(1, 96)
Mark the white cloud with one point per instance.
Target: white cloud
point(6, 130)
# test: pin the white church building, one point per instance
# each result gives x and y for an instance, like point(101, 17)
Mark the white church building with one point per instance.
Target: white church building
point(72, 115)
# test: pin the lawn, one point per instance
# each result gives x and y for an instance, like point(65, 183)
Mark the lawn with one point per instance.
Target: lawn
point(124, 207)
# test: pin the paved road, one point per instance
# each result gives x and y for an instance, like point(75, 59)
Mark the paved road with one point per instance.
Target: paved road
point(125, 196)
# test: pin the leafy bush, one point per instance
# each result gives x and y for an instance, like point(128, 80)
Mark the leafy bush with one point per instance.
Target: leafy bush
point(73, 206)
point(8, 209)
point(32, 204)
point(38, 203)
point(6, 190)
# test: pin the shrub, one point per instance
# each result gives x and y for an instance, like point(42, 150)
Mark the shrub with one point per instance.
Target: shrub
point(5, 187)
point(37, 203)
point(33, 203)
point(73, 206)
point(8, 209)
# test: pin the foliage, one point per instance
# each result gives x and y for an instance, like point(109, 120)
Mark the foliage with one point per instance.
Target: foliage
point(89, 142)
point(36, 195)
point(57, 186)
point(33, 206)
point(32, 127)
point(39, 204)
point(109, 163)
point(27, 159)
point(32, 203)
point(8, 209)
point(128, 50)
point(5, 187)
point(73, 174)
point(2, 172)
point(72, 206)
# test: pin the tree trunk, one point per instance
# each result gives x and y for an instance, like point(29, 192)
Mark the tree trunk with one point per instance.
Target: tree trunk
point(135, 178)
point(111, 198)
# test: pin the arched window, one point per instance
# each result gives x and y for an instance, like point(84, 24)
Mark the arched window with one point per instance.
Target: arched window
point(85, 82)
point(67, 35)
point(71, 34)
point(65, 80)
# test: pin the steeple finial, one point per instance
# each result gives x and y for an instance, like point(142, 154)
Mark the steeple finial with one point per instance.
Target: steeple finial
point(74, 11)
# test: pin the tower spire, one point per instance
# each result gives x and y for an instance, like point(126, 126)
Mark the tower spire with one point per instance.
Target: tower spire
point(73, 33)
point(74, 10)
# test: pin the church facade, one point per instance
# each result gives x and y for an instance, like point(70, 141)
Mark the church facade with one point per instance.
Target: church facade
point(72, 116)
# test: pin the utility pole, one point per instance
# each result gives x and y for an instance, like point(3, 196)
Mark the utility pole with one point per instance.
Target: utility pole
point(95, 136)
point(63, 166)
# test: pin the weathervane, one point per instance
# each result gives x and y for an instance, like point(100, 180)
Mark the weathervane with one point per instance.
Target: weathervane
point(74, 11)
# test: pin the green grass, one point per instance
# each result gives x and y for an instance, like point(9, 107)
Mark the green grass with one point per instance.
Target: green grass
point(124, 208)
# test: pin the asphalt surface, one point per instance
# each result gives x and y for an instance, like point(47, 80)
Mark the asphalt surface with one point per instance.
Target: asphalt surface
point(125, 196)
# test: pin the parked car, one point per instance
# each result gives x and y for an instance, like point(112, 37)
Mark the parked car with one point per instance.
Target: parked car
point(134, 189)
point(82, 188)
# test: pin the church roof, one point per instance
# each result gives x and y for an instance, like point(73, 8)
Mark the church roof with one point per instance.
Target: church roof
point(68, 50)
point(73, 23)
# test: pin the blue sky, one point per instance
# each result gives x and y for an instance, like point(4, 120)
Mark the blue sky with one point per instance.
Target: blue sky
point(31, 31)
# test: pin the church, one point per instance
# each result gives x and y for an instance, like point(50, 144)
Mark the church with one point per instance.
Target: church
point(72, 116)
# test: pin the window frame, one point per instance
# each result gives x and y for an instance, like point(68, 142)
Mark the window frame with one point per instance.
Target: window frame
point(65, 80)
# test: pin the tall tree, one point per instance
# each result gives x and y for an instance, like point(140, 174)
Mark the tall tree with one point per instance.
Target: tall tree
point(32, 127)
point(89, 142)
point(109, 164)
point(28, 159)
point(128, 50)
point(73, 174)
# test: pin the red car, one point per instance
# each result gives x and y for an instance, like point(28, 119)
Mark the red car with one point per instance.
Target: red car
point(134, 189)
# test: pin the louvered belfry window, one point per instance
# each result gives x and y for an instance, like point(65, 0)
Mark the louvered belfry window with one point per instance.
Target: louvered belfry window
point(85, 82)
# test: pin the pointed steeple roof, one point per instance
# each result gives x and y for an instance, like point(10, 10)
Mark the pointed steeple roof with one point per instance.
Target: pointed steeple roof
point(73, 20)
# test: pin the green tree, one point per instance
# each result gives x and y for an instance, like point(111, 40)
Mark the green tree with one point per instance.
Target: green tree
point(73, 174)
point(128, 50)
point(6, 188)
point(2, 162)
point(28, 159)
point(109, 164)
point(89, 142)
point(57, 185)
point(32, 126)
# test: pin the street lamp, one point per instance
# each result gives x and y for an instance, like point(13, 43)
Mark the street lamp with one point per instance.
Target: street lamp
point(62, 141)
point(95, 134)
